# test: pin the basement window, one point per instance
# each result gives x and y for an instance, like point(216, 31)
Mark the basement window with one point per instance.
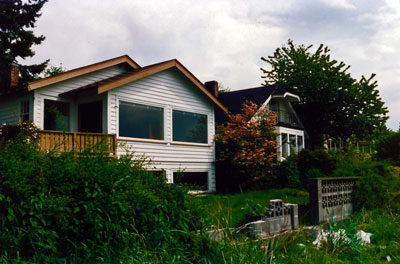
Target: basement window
point(194, 180)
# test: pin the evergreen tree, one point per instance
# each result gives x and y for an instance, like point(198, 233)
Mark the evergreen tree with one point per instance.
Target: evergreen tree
point(333, 104)
point(17, 19)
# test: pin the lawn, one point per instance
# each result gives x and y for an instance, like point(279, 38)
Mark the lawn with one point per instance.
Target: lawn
point(229, 210)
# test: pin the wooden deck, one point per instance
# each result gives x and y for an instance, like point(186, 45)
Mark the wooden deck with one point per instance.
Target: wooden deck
point(59, 141)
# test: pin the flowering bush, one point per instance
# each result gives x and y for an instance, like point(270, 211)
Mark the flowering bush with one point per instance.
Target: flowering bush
point(27, 129)
point(248, 142)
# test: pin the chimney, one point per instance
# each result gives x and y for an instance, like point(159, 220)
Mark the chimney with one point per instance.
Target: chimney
point(14, 75)
point(212, 87)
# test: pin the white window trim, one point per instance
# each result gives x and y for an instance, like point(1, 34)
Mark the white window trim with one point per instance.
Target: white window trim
point(288, 131)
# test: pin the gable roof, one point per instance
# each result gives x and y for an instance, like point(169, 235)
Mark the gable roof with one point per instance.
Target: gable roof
point(135, 74)
point(156, 68)
point(83, 70)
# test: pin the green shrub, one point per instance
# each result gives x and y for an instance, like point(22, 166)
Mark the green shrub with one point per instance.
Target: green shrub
point(86, 208)
point(378, 186)
point(315, 159)
point(288, 172)
point(350, 163)
point(388, 147)
point(28, 130)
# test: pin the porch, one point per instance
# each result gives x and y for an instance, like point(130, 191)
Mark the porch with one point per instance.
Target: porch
point(60, 141)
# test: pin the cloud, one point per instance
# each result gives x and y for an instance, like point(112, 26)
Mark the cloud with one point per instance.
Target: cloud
point(342, 4)
point(216, 40)
point(223, 40)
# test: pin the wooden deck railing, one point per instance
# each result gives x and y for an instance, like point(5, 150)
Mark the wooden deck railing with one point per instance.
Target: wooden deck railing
point(59, 141)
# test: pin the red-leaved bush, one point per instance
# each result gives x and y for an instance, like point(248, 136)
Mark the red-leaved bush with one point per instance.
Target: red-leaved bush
point(248, 141)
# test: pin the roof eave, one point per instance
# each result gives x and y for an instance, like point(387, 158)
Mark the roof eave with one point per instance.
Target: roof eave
point(291, 97)
point(81, 71)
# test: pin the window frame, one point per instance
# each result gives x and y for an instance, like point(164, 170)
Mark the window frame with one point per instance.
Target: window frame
point(165, 116)
point(188, 142)
point(208, 183)
point(292, 145)
point(300, 147)
point(21, 112)
point(60, 100)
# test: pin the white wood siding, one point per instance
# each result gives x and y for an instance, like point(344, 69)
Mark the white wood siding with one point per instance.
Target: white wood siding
point(171, 91)
point(52, 92)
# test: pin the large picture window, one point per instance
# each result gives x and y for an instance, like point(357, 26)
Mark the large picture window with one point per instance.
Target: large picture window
point(189, 127)
point(141, 121)
point(56, 115)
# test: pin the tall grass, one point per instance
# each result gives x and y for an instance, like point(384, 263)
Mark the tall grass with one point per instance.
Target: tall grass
point(230, 210)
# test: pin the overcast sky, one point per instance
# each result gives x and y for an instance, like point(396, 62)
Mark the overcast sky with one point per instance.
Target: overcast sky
point(224, 40)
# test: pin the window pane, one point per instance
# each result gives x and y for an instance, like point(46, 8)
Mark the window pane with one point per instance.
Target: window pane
point(24, 110)
point(273, 106)
point(196, 180)
point(292, 140)
point(300, 142)
point(284, 145)
point(189, 127)
point(141, 121)
point(56, 115)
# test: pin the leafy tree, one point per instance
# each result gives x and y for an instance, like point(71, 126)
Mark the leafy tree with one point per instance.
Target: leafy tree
point(52, 70)
point(247, 142)
point(333, 104)
point(17, 19)
point(387, 147)
point(223, 89)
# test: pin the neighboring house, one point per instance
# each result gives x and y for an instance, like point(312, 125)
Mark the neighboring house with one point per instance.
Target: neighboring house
point(162, 111)
point(275, 98)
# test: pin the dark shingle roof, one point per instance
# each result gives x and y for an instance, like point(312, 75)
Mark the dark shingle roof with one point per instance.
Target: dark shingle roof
point(235, 99)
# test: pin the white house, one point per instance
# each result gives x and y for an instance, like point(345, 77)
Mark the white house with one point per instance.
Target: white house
point(162, 111)
point(289, 127)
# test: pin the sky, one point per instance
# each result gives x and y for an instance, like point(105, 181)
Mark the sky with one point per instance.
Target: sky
point(224, 40)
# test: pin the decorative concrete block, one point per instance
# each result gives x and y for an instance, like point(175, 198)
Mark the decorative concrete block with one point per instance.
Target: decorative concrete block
point(331, 198)
point(278, 217)
point(294, 215)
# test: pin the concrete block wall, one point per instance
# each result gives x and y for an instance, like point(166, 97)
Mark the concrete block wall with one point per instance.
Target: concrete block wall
point(331, 198)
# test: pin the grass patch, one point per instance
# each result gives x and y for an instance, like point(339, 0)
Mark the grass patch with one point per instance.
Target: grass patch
point(297, 247)
point(230, 210)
